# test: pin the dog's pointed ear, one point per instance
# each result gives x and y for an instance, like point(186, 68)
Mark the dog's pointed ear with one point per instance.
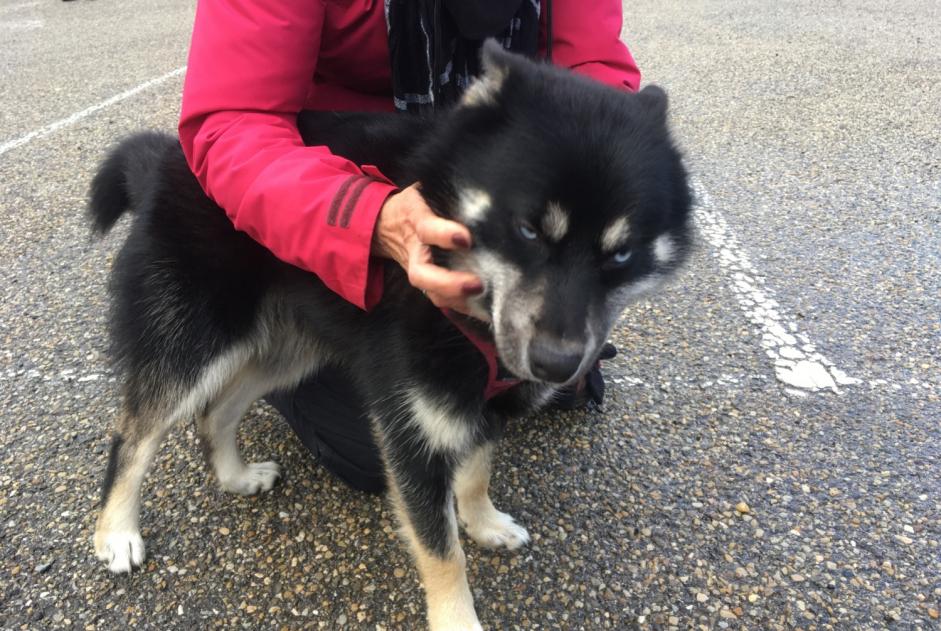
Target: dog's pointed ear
point(495, 65)
point(655, 101)
point(494, 59)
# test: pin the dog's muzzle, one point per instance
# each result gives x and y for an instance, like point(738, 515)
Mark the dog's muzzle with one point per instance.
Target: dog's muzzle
point(553, 360)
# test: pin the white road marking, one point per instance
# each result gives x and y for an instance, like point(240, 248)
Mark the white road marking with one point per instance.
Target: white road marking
point(10, 8)
point(21, 25)
point(797, 363)
point(77, 116)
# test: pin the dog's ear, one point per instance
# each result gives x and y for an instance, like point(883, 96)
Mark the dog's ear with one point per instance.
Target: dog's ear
point(495, 65)
point(655, 102)
point(494, 58)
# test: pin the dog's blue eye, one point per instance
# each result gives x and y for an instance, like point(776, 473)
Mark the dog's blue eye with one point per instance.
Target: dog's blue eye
point(526, 231)
point(620, 258)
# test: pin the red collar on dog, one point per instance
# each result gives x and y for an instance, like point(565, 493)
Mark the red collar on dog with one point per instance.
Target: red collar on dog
point(495, 384)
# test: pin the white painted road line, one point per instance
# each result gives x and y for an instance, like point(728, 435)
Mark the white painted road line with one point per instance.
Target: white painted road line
point(797, 362)
point(10, 8)
point(77, 116)
point(21, 25)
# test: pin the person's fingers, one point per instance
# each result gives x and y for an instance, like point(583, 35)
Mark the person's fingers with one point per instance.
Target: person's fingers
point(414, 233)
point(454, 304)
point(431, 278)
point(445, 288)
point(441, 232)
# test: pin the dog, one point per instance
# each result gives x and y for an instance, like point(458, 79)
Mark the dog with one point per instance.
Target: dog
point(578, 203)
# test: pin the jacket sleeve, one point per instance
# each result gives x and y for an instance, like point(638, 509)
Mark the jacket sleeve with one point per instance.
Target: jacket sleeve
point(586, 37)
point(251, 64)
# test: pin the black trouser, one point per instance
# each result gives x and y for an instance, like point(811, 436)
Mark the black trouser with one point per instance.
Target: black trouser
point(325, 413)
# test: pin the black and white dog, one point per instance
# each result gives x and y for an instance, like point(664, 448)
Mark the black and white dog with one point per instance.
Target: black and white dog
point(578, 203)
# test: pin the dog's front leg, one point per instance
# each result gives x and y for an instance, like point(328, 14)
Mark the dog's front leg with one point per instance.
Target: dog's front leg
point(420, 448)
point(482, 521)
point(424, 504)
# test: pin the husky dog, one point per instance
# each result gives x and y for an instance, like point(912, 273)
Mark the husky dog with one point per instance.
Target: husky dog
point(578, 203)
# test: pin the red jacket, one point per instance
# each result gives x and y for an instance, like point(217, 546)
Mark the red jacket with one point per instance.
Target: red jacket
point(254, 64)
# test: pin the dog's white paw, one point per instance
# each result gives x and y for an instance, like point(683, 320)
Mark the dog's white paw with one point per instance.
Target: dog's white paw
point(254, 478)
point(494, 529)
point(123, 551)
point(453, 616)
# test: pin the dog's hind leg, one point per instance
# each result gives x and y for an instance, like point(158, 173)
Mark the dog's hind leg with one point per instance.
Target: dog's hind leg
point(151, 410)
point(482, 522)
point(133, 447)
point(218, 432)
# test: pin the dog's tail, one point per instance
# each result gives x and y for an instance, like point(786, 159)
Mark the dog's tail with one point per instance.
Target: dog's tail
point(124, 176)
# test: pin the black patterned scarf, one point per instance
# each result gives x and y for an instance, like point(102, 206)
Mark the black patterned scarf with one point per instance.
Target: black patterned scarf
point(434, 45)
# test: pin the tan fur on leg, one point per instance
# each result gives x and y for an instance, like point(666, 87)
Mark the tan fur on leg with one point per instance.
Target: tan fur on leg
point(117, 534)
point(482, 521)
point(448, 597)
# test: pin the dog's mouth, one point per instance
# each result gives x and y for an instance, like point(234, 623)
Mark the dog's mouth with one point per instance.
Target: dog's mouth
point(543, 358)
point(510, 305)
point(523, 350)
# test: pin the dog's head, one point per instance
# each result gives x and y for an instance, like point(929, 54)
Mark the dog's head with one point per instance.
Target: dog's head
point(577, 200)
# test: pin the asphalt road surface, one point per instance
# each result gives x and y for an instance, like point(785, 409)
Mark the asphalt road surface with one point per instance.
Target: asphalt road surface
point(768, 457)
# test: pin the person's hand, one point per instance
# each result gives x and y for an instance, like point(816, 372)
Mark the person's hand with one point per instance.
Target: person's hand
point(404, 232)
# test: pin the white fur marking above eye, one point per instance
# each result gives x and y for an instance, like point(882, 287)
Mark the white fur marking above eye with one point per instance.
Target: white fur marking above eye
point(664, 249)
point(615, 235)
point(474, 204)
point(555, 223)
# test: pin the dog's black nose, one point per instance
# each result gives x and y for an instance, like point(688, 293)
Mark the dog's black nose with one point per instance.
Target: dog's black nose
point(551, 361)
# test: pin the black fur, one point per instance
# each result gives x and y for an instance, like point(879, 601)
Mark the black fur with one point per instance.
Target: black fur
point(187, 286)
point(123, 180)
point(113, 460)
